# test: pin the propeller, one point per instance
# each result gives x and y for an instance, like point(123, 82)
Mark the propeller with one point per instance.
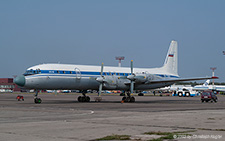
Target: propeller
point(100, 80)
point(131, 77)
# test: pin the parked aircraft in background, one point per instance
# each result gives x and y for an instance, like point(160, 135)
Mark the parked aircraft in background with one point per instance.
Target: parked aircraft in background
point(187, 87)
point(85, 77)
point(206, 86)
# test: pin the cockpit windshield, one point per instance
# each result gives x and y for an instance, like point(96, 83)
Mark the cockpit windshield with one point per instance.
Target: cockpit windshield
point(32, 72)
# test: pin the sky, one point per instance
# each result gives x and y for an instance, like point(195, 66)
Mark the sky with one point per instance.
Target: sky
point(90, 32)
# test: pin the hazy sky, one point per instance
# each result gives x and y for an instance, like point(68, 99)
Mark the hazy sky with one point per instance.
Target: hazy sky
point(95, 31)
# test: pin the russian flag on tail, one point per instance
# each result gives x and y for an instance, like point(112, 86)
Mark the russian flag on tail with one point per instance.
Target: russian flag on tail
point(170, 55)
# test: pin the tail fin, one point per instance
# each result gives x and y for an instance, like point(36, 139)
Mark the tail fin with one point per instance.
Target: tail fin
point(206, 83)
point(170, 64)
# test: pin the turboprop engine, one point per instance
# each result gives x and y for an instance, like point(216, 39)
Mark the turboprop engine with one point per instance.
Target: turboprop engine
point(137, 78)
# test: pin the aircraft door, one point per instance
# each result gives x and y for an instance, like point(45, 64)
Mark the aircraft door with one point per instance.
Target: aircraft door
point(78, 73)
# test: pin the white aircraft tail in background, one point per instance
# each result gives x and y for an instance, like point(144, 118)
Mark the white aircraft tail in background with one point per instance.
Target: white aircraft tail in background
point(206, 83)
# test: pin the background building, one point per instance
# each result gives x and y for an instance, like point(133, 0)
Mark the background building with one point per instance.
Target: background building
point(7, 85)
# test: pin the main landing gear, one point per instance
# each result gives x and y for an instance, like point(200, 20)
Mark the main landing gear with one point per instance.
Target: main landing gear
point(84, 98)
point(36, 99)
point(128, 98)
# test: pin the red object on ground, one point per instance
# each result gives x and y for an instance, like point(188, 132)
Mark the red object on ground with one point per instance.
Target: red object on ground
point(19, 97)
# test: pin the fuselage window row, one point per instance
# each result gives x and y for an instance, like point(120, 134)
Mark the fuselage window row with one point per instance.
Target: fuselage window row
point(32, 72)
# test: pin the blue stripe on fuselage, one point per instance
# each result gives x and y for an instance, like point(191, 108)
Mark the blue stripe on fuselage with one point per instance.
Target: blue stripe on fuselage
point(89, 74)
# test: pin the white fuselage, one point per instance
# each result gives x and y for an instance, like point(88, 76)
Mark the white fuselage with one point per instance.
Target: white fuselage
point(83, 77)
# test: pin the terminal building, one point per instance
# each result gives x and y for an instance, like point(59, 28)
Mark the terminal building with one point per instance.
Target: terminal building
point(7, 85)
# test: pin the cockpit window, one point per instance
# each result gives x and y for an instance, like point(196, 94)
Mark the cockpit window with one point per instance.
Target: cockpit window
point(32, 72)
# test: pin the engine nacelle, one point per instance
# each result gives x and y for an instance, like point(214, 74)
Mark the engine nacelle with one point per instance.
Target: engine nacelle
point(140, 78)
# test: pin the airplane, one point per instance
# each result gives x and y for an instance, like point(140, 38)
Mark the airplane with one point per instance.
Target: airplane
point(206, 86)
point(89, 77)
point(187, 87)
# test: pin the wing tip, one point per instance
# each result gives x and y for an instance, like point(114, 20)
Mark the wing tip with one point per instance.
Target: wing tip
point(215, 77)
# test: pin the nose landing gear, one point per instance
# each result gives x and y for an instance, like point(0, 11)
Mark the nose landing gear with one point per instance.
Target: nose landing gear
point(36, 99)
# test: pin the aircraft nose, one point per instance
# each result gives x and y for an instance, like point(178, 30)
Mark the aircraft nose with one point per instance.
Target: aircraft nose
point(19, 80)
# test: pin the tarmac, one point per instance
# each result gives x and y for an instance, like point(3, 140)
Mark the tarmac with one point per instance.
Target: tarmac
point(61, 118)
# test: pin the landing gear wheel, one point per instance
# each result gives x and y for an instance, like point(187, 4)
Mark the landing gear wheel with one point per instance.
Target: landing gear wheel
point(124, 98)
point(87, 99)
point(128, 99)
point(79, 99)
point(83, 99)
point(37, 100)
point(132, 99)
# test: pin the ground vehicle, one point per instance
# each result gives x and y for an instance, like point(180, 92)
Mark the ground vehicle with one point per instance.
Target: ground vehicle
point(185, 93)
point(208, 96)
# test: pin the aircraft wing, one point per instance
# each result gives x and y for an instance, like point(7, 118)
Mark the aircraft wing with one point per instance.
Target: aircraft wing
point(179, 79)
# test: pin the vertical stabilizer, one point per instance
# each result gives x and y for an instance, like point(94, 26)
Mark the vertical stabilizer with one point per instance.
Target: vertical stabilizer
point(206, 83)
point(170, 64)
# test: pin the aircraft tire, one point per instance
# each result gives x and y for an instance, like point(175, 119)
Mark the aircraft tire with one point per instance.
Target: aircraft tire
point(79, 99)
point(37, 100)
point(132, 99)
point(83, 99)
point(124, 99)
point(87, 99)
point(127, 99)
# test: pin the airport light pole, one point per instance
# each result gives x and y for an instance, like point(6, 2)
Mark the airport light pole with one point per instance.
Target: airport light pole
point(213, 69)
point(120, 58)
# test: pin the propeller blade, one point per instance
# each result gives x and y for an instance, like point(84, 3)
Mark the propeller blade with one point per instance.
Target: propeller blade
point(131, 66)
point(100, 90)
point(101, 82)
point(131, 87)
point(102, 69)
point(132, 81)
